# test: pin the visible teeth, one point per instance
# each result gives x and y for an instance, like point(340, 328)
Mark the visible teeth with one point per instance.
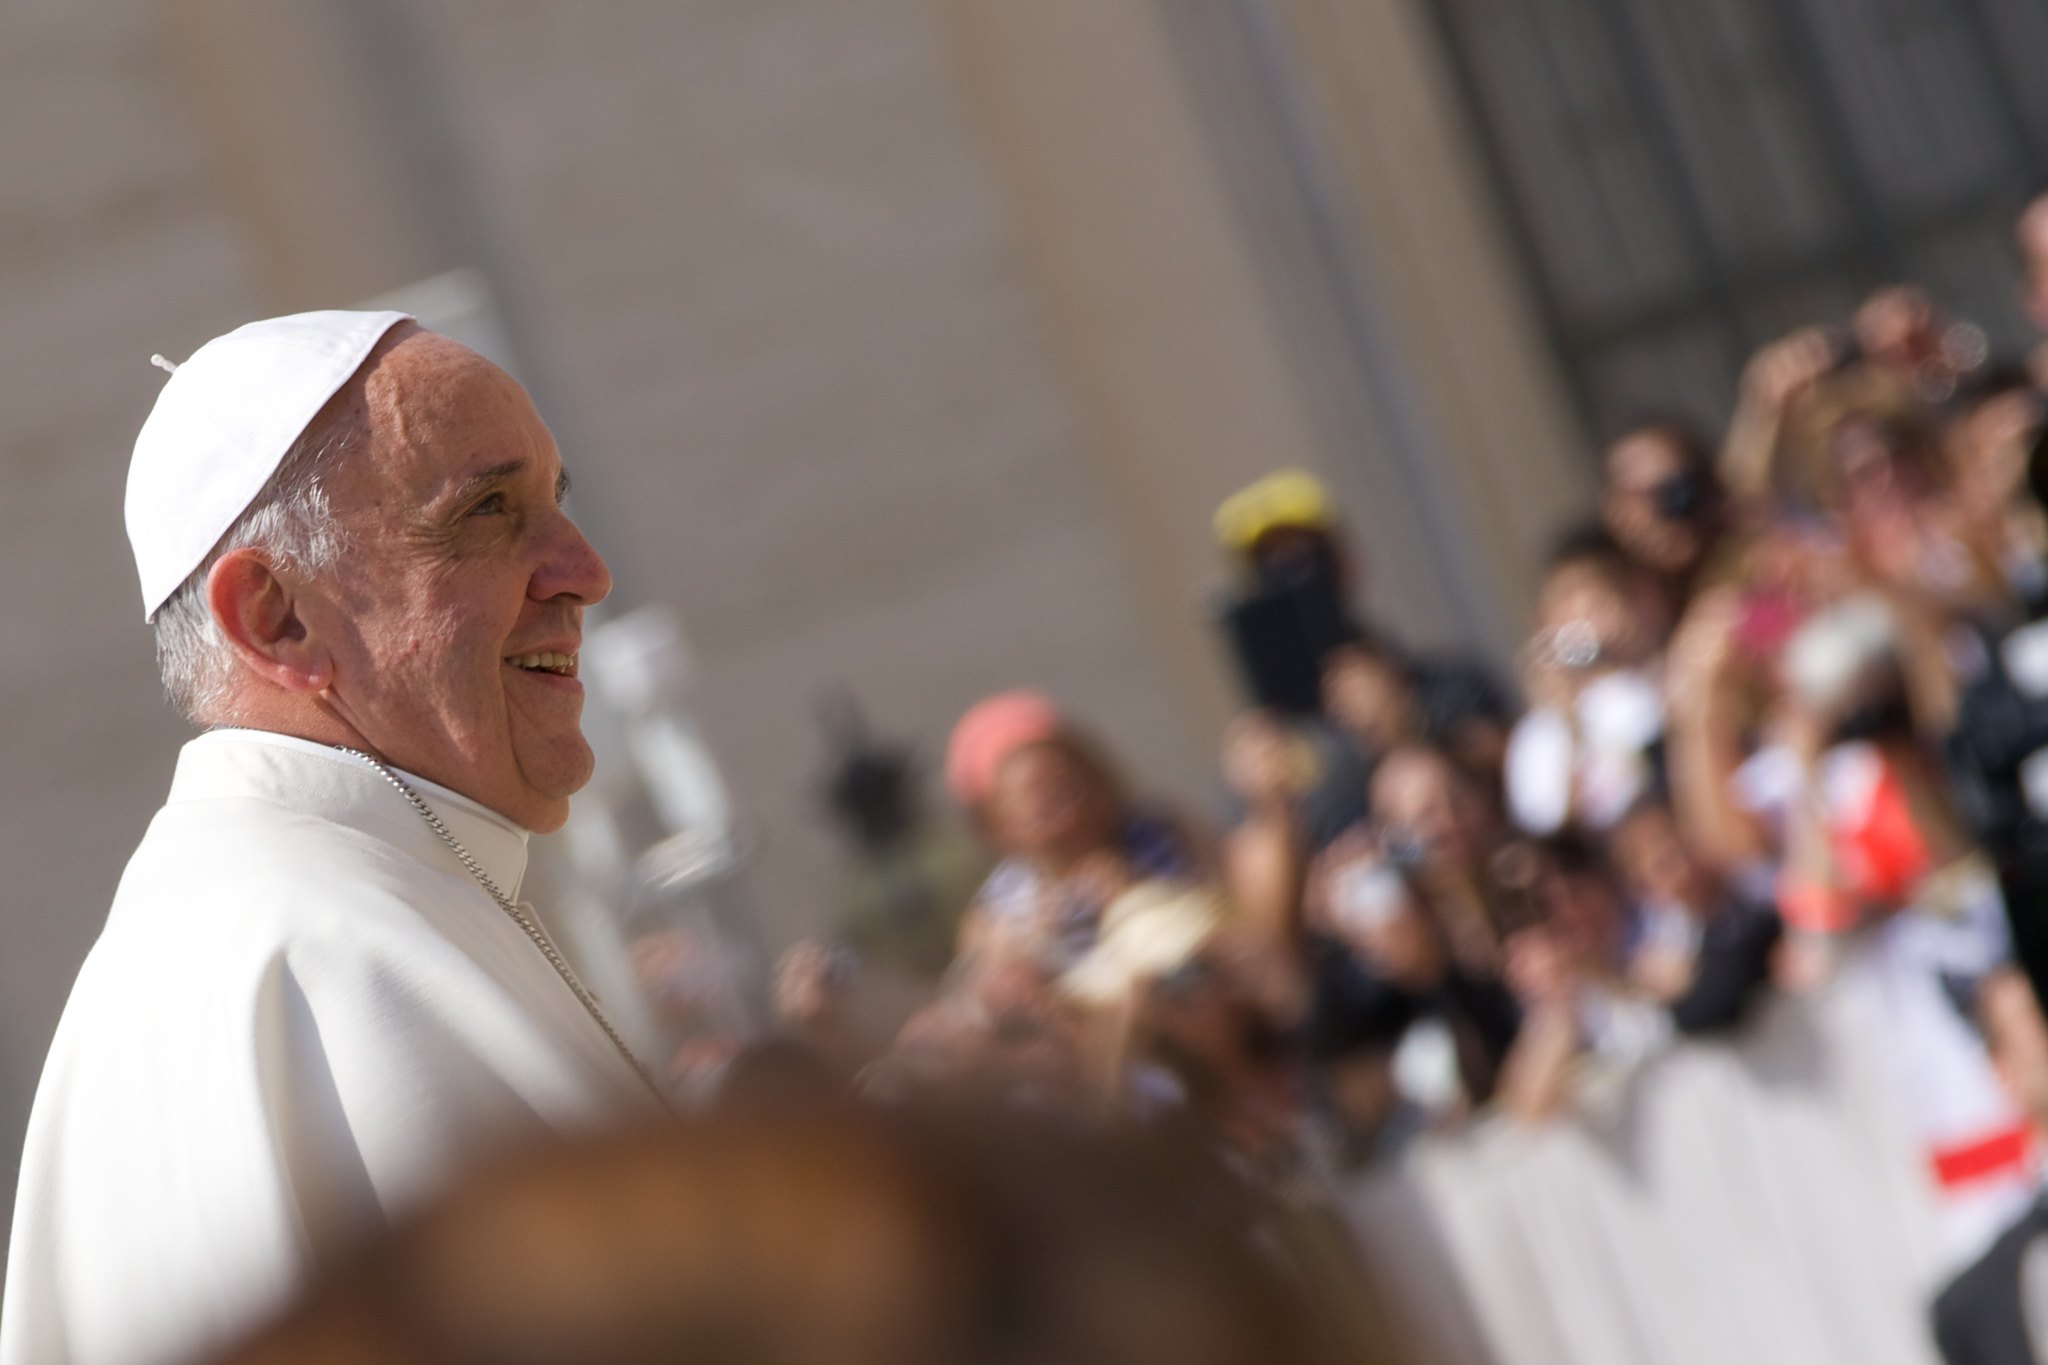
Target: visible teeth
point(564, 664)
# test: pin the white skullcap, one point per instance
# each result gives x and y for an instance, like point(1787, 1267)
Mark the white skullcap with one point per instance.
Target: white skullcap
point(221, 427)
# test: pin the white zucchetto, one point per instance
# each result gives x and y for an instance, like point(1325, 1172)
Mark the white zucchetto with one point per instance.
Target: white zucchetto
point(221, 427)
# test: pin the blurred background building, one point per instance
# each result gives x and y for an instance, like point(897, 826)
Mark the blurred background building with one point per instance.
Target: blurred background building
point(903, 348)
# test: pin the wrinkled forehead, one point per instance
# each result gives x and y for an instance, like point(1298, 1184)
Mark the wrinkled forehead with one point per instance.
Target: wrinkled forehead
point(436, 411)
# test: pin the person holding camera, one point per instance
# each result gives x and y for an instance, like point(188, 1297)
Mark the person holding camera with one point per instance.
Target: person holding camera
point(1588, 748)
point(1405, 1035)
point(1662, 504)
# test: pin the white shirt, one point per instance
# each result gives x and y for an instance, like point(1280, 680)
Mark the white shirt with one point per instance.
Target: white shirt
point(1593, 763)
point(302, 1015)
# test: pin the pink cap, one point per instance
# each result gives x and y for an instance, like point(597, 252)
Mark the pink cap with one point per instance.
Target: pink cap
point(992, 730)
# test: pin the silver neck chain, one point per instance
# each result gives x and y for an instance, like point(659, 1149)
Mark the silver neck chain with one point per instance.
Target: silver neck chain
point(519, 915)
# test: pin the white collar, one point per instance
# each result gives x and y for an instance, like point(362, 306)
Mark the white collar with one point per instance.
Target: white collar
point(320, 780)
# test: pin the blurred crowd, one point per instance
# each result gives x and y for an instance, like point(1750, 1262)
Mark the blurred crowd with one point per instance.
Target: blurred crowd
point(1782, 721)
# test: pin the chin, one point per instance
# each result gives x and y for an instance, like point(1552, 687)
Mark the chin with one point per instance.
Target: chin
point(548, 816)
point(567, 771)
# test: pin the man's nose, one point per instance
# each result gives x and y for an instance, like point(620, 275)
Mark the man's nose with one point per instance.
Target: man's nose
point(573, 569)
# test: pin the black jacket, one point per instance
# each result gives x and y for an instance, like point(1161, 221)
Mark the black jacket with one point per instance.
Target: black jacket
point(1978, 1320)
point(1733, 967)
point(1353, 1007)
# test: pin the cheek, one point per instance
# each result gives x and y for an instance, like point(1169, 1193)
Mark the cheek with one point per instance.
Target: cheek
point(1396, 811)
point(450, 654)
point(1389, 700)
point(1439, 812)
point(412, 652)
point(1007, 822)
point(1635, 514)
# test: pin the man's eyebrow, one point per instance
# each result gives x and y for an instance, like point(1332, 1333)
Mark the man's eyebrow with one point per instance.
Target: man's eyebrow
point(561, 486)
point(484, 478)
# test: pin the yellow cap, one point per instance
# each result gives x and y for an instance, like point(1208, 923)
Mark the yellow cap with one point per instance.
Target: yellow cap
point(1287, 498)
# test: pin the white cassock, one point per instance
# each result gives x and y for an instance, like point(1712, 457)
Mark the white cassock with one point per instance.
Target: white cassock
point(302, 1016)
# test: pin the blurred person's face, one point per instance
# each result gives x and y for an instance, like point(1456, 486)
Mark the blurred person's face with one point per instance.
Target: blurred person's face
point(2033, 243)
point(1815, 563)
point(1877, 476)
point(1047, 802)
point(2017, 1038)
point(1656, 866)
point(1417, 793)
point(1286, 553)
point(454, 626)
point(1369, 697)
point(1584, 594)
point(1641, 467)
point(1290, 544)
point(1584, 915)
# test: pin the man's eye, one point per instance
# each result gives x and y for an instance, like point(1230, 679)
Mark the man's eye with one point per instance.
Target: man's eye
point(489, 507)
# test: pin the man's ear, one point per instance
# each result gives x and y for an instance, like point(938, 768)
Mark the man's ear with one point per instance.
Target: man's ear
point(257, 610)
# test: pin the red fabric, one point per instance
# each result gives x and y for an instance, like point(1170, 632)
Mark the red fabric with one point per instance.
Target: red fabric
point(1999, 1152)
point(1880, 851)
point(992, 730)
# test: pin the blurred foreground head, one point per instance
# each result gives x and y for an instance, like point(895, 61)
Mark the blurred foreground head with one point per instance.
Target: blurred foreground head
point(798, 1232)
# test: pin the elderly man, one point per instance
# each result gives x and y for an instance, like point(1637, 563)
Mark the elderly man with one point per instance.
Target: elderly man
point(316, 994)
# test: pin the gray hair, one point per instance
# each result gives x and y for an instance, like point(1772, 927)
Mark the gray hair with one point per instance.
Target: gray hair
point(291, 523)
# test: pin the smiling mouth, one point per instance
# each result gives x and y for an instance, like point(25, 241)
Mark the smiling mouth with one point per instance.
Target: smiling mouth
point(561, 665)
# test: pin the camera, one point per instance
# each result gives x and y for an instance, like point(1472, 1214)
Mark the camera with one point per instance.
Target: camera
point(1681, 497)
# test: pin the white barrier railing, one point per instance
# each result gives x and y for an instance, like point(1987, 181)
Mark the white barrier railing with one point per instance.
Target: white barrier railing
point(1753, 1201)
